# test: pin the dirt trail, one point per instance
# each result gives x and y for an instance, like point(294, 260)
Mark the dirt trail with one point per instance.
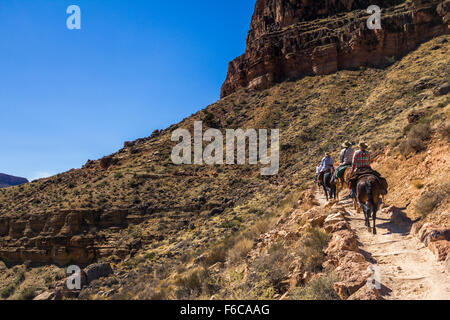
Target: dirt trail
point(409, 270)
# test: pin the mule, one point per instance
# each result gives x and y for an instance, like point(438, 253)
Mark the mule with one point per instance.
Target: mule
point(369, 192)
point(329, 185)
point(343, 182)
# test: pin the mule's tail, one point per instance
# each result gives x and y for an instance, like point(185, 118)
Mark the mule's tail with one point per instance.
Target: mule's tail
point(369, 190)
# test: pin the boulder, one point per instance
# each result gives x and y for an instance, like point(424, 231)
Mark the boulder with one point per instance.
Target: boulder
point(48, 295)
point(96, 271)
point(365, 293)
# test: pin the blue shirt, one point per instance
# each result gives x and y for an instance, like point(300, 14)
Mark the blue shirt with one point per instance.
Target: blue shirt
point(327, 163)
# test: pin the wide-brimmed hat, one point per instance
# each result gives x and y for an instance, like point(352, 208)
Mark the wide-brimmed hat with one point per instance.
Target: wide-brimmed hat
point(363, 145)
point(347, 144)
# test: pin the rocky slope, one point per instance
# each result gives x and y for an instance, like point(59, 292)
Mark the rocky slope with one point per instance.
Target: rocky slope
point(291, 39)
point(10, 181)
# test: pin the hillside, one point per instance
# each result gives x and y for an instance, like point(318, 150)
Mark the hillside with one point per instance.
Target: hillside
point(176, 232)
point(10, 181)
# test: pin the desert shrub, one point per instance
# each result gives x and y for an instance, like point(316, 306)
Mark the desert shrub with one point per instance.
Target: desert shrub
point(416, 139)
point(428, 202)
point(134, 231)
point(209, 118)
point(240, 250)
point(312, 248)
point(260, 227)
point(422, 131)
point(431, 199)
point(162, 294)
point(193, 284)
point(445, 131)
point(27, 293)
point(7, 291)
point(216, 254)
point(319, 289)
point(11, 288)
point(275, 265)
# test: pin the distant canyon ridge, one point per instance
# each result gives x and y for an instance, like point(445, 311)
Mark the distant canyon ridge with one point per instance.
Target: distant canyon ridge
point(290, 39)
point(10, 181)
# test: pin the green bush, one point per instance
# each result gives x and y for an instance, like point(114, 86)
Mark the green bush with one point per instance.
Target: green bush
point(8, 291)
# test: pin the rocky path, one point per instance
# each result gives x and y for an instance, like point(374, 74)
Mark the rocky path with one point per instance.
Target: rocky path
point(408, 269)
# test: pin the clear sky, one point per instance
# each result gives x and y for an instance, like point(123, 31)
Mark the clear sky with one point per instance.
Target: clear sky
point(67, 96)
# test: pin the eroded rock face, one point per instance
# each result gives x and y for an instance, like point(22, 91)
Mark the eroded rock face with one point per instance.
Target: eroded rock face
point(60, 237)
point(290, 39)
point(436, 238)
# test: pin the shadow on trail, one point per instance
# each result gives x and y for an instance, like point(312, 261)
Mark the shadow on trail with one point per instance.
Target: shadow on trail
point(398, 223)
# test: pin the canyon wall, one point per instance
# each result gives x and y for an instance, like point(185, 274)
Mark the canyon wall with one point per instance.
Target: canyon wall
point(291, 39)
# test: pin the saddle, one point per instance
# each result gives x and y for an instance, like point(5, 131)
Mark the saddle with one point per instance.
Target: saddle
point(341, 170)
point(364, 172)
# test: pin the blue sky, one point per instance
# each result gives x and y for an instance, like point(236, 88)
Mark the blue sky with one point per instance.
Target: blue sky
point(67, 96)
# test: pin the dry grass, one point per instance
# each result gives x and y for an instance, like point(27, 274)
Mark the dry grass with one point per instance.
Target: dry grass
point(312, 248)
point(416, 140)
point(430, 200)
point(319, 289)
point(240, 250)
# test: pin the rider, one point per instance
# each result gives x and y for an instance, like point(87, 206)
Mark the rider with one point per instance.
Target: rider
point(327, 164)
point(346, 158)
point(347, 154)
point(361, 160)
point(319, 165)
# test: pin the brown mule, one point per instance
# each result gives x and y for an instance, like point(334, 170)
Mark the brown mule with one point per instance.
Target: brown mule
point(369, 191)
point(343, 182)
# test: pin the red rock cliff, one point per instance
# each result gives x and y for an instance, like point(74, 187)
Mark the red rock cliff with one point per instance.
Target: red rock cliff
point(293, 38)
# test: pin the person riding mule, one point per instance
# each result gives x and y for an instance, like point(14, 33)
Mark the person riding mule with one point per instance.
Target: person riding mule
point(318, 168)
point(346, 159)
point(326, 176)
point(326, 165)
point(367, 185)
point(361, 166)
point(344, 169)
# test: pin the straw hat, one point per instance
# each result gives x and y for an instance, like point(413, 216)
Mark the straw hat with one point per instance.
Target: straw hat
point(347, 144)
point(363, 145)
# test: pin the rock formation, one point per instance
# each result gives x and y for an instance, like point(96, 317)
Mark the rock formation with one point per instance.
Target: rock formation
point(10, 181)
point(60, 237)
point(290, 39)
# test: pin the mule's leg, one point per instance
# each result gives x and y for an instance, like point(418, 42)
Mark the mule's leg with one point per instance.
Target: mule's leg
point(339, 186)
point(356, 205)
point(366, 214)
point(374, 215)
point(326, 192)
